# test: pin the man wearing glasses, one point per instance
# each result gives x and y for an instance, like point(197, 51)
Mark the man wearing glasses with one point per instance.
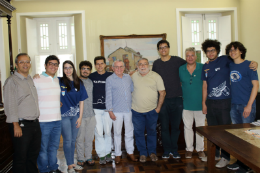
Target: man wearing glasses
point(145, 108)
point(171, 113)
point(191, 83)
point(48, 89)
point(87, 129)
point(119, 87)
point(22, 111)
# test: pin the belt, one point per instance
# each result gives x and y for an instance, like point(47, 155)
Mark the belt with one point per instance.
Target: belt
point(31, 121)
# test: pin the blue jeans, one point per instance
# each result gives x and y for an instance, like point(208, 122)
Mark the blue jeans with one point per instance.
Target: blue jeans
point(69, 133)
point(47, 159)
point(236, 114)
point(171, 114)
point(148, 121)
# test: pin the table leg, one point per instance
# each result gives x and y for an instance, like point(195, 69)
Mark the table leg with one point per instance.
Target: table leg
point(211, 156)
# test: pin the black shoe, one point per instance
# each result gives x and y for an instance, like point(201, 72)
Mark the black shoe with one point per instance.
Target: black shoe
point(55, 171)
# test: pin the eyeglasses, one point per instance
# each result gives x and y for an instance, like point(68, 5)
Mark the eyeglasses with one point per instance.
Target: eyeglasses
point(165, 47)
point(87, 69)
point(24, 62)
point(68, 68)
point(118, 67)
point(232, 50)
point(53, 64)
point(140, 65)
point(211, 51)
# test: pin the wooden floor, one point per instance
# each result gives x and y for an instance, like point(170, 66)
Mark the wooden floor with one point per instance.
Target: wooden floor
point(183, 165)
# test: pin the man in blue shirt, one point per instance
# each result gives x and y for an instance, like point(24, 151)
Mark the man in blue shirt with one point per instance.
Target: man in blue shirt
point(104, 122)
point(244, 87)
point(191, 84)
point(119, 87)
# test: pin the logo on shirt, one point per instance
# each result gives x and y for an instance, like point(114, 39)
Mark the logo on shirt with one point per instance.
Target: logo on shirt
point(63, 93)
point(218, 91)
point(235, 76)
point(206, 72)
point(217, 69)
point(63, 87)
point(99, 81)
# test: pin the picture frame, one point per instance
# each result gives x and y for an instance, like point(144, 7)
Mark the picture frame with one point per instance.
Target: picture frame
point(129, 49)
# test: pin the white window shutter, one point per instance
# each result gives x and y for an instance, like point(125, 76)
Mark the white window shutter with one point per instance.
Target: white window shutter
point(186, 34)
point(224, 28)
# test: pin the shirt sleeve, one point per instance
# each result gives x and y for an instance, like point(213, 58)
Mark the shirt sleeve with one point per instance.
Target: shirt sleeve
point(83, 92)
point(160, 84)
point(253, 74)
point(180, 73)
point(109, 105)
point(203, 77)
point(10, 101)
point(182, 62)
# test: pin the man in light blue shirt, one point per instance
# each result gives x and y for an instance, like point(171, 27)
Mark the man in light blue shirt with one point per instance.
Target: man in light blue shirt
point(119, 87)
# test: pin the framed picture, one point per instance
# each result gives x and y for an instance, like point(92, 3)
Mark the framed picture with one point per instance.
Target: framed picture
point(129, 49)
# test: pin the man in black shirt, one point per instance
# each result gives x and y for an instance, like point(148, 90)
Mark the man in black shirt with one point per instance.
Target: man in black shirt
point(171, 112)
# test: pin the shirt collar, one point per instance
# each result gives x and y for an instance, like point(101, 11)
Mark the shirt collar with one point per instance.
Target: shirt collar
point(115, 76)
point(20, 76)
point(44, 74)
point(187, 69)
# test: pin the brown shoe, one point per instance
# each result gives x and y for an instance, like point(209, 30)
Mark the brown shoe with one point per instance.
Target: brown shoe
point(142, 158)
point(132, 157)
point(188, 154)
point(117, 159)
point(153, 157)
point(201, 154)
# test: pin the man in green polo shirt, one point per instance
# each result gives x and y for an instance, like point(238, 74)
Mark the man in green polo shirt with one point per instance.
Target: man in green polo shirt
point(190, 77)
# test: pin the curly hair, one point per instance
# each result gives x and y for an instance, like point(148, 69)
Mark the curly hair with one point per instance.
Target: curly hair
point(211, 43)
point(236, 45)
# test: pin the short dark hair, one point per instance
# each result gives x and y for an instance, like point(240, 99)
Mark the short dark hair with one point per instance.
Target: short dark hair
point(161, 42)
point(99, 58)
point(85, 63)
point(21, 54)
point(211, 43)
point(237, 45)
point(51, 57)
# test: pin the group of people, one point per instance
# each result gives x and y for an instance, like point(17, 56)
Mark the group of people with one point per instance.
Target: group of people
point(80, 108)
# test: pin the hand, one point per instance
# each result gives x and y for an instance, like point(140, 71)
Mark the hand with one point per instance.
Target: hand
point(157, 110)
point(36, 76)
point(112, 115)
point(247, 111)
point(253, 65)
point(78, 122)
point(18, 131)
point(61, 104)
point(204, 109)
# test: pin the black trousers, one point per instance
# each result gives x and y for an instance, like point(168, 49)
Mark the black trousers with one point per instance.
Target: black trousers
point(218, 113)
point(26, 147)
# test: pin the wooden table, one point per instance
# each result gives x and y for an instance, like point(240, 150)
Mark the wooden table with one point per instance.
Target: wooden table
point(242, 150)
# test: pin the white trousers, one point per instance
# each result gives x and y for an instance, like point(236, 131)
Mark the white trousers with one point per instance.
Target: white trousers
point(188, 118)
point(129, 133)
point(103, 143)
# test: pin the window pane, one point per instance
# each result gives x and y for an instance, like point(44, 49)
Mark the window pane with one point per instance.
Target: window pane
point(63, 36)
point(44, 36)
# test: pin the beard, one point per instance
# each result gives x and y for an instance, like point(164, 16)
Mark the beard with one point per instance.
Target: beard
point(144, 72)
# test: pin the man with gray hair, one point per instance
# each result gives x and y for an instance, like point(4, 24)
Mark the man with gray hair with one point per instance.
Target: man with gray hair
point(22, 111)
point(145, 108)
point(190, 74)
point(119, 87)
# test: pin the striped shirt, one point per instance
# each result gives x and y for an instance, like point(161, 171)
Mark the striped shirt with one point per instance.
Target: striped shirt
point(20, 98)
point(48, 90)
point(118, 93)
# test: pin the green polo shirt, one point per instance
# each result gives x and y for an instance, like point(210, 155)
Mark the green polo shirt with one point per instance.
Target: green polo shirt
point(191, 87)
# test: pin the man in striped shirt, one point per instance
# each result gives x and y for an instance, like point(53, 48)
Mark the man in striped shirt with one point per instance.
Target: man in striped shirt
point(119, 87)
point(48, 90)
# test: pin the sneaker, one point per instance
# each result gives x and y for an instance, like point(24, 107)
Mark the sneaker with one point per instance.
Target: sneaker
point(244, 170)
point(201, 154)
point(188, 154)
point(166, 155)
point(102, 160)
point(176, 155)
point(153, 157)
point(222, 163)
point(71, 170)
point(204, 159)
point(233, 166)
point(142, 158)
point(109, 158)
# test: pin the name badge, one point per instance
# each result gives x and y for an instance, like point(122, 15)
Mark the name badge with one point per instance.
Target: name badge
point(63, 93)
